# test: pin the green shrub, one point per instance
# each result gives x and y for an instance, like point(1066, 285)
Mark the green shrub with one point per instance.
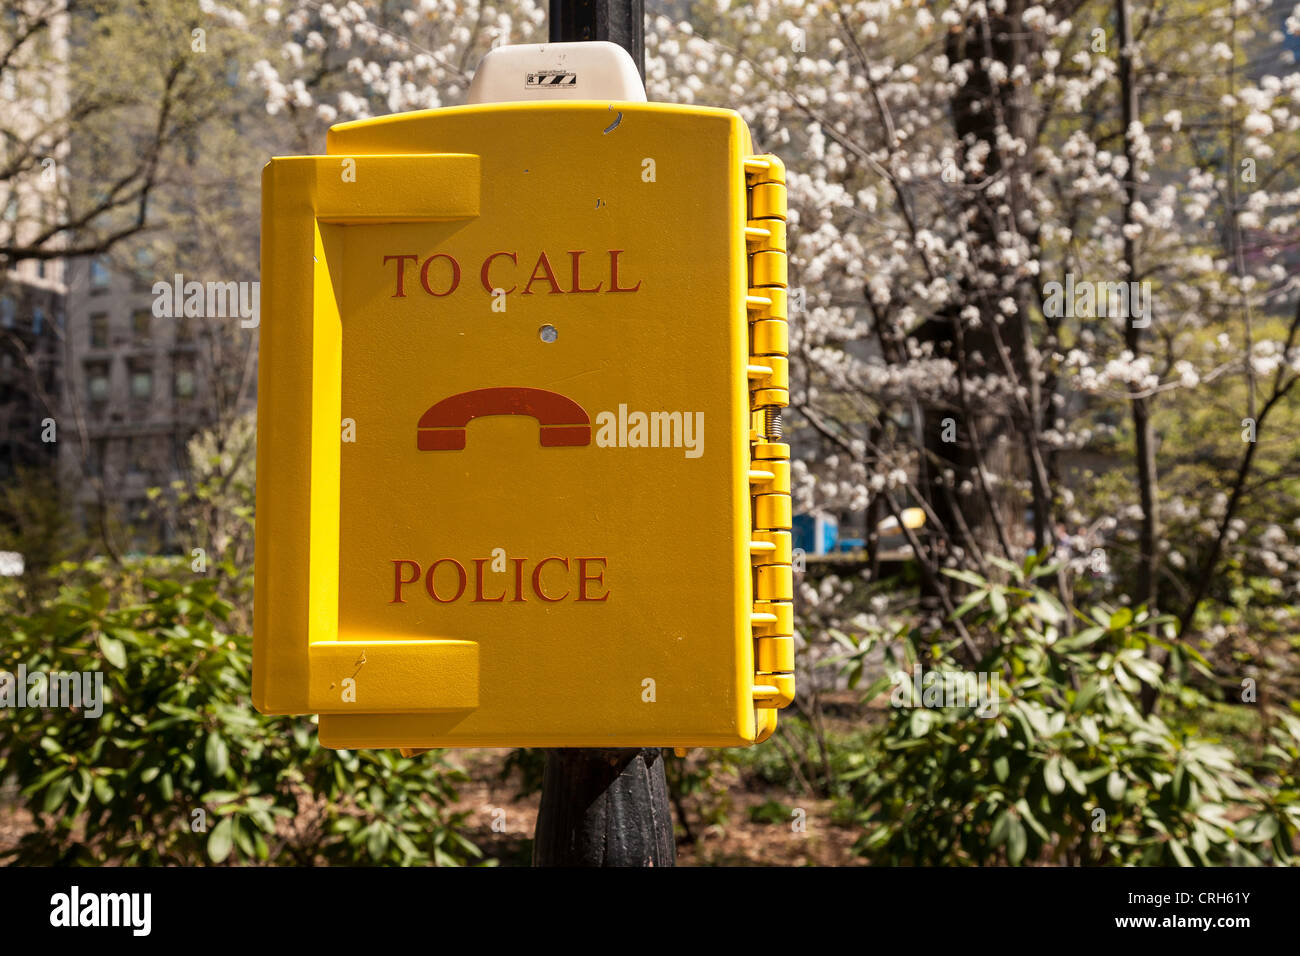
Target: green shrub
point(1068, 769)
point(797, 759)
point(529, 764)
point(770, 811)
point(180, 768)
point(699, 786)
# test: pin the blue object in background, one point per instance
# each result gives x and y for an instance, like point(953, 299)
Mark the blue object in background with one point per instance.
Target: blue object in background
point(815, 534)
point(802, 529)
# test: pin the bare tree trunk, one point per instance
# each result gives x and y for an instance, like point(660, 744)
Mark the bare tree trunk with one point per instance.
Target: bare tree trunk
point(997, 443)
point(1148, 567)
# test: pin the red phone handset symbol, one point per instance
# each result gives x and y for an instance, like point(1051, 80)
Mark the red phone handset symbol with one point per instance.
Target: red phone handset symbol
point(561, 420)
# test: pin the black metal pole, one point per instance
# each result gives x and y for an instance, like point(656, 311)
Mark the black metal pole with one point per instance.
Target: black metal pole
point(618, 21)
point(604, 807)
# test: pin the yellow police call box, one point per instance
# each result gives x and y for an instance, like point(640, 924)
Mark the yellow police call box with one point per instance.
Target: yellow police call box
point(519, 365)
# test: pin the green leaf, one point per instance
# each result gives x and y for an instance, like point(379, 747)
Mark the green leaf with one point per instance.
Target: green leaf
point(843, 639)
point(1125, 679)
point(1259, 829)
point(242, 838)
point(1180, 854)
point(1003, 564)
point(1071, 774)
point(377, 842)
point(1085, 696)
point(1047, 608)
point(1001, 828)
point(968, 577)
point(1052, 777)
point(998, 601)
point(217, 755)
point(56, 794)
point(220, 840)
point(973, 599)
point(1089, 635)
point(1017, 842)
point(1028, 817)
point(879, 685)
point(1147, 671)
point(1116, 785)
point(1001, 768)
point(1088, 730)
point(114, 651)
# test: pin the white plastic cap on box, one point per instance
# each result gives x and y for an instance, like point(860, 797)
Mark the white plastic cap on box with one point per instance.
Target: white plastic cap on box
point(595, 70)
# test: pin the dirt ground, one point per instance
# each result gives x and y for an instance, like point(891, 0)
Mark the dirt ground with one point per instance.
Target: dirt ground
point(13, 824)
point(741, 842)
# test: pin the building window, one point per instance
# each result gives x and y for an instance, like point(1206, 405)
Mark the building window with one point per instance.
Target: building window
point(140, 281)
point(38, 320)
point(142, 383)
point(98, 275)
point(140, 326)
point(97, 382)
point(6, 312)
point(99, 330)
point(183, 383)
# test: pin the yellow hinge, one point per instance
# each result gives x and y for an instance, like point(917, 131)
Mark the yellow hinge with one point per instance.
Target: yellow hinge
point(771, 618)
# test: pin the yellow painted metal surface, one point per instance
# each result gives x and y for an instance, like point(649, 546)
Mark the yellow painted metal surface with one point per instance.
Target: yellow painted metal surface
point(513, 482)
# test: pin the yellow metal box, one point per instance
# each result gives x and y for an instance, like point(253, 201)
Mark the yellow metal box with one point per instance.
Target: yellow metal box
point(515, 360)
